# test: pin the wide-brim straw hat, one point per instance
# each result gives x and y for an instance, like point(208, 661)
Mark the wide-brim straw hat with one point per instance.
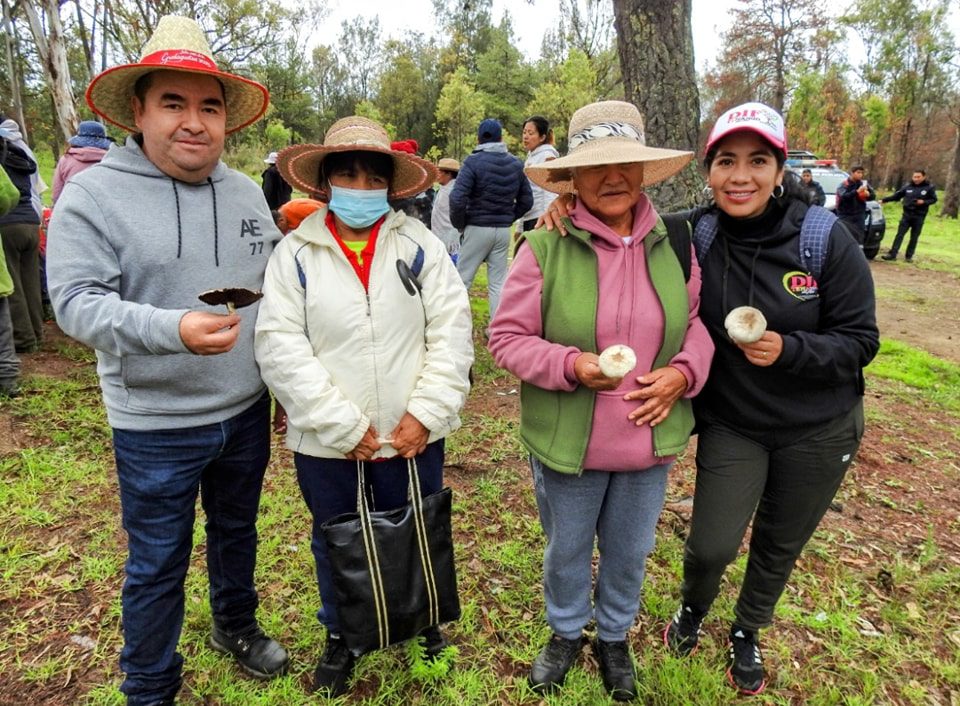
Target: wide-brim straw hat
point(299, 165)
point(608, 132)
point(177, 44)
point(448, 164)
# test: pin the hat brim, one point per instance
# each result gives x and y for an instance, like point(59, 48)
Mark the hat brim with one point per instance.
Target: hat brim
point(658, 164)
point(299, 165)
point(109, 95)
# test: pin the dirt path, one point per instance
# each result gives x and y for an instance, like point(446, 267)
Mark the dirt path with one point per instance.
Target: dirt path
point(919, 306)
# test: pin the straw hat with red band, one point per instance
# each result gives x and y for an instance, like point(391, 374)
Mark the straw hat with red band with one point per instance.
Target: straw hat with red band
point(299, 165)
point(608, 132)
point(177, 44)
point(751, 117)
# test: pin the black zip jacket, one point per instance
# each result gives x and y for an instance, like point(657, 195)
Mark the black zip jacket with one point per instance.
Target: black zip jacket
point(829, 327)
point(849, 202)
point(911, 193)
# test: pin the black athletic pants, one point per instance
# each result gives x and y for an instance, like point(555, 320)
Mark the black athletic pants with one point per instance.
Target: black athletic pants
point(912, 223)
point(784, 480)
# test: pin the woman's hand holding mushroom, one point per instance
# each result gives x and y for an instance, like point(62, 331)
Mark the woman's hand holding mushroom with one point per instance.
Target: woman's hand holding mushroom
point(659, 389)
point(409, 436)
point(366, 447)
point(587, 369)
point(204, 333)
point(765, 351)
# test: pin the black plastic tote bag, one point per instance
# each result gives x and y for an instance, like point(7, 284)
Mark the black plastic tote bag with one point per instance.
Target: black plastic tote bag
point(393, 570)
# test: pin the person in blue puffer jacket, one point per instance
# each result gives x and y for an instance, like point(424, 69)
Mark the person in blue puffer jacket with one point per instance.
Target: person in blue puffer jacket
point(490, 194)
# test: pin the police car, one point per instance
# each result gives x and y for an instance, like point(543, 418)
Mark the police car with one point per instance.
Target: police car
point(830, 177)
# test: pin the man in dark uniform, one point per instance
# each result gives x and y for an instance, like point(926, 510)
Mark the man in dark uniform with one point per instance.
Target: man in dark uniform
point(917, 197)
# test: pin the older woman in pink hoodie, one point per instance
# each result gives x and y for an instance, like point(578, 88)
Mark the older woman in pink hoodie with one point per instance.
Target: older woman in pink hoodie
point(600, 447)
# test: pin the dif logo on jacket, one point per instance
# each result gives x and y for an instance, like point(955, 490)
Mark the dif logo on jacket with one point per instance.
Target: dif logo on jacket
point(800, 285)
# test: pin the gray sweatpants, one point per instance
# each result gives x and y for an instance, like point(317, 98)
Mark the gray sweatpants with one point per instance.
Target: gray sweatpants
point(618, 508)
point(485, 244)
point(784, 480)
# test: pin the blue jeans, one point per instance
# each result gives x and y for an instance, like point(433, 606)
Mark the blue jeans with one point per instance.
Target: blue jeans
point(160, 473)
point(329, 487)
point(620, 509)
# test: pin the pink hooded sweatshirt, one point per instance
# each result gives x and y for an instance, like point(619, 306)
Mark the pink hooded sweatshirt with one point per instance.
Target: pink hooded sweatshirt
point(628, 312)
point(74, 161)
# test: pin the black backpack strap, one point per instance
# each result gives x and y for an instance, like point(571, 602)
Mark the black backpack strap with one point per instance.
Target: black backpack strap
point(678, 231)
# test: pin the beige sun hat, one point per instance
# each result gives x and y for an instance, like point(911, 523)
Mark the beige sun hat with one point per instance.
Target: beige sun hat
point(448, 164)
point(608, 132)
point(177, 44)
point(299, 165)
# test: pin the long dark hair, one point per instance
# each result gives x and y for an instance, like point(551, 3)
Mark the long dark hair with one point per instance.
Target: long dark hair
point(543, 127)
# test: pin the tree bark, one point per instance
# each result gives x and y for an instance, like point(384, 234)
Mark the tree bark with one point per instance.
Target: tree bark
point(12, 68)
point(655, 43)
point(951, 192)
point(52, 49)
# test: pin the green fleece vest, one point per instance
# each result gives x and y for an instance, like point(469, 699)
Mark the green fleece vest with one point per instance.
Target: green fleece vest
point(555, 425)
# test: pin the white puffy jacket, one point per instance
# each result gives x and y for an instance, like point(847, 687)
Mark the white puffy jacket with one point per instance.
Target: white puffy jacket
point(339, 358)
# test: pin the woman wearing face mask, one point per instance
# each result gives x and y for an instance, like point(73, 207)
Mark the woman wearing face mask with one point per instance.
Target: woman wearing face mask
point(364, 337)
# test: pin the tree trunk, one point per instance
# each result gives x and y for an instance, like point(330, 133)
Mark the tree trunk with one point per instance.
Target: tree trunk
point(53, 55)
point(12, 69)
point(655, 42)
point(951, 192)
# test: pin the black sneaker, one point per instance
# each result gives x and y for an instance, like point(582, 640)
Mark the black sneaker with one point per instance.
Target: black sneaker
point(682, 634)
point(908, 259)
point(746, 662)
point(616, 668)
point(433, 642)
point(257, 654)
point(552, 664)
point(334, 668)
point(889, 256)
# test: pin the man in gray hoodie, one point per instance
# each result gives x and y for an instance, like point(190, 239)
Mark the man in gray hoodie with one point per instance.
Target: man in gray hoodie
point(133, 241)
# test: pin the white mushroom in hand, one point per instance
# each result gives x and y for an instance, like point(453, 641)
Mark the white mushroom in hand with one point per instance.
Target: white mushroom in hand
point(616, 361)
point(745, 324)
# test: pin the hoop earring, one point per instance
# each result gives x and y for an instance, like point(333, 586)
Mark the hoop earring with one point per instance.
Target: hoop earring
point(708, 194)
point(778, 195)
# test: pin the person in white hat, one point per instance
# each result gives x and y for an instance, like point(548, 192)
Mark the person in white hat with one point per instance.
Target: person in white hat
point(133, 242)
point(440, 216)
point(275, 190)
point(364, 337)
point(601, 442)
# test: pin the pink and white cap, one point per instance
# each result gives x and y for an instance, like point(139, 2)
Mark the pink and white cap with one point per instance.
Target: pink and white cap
point(755, 117)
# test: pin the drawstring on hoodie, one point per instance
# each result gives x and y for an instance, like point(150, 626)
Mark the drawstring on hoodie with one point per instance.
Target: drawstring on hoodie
point(726, 270)
point(176, 197)
point(216, 229)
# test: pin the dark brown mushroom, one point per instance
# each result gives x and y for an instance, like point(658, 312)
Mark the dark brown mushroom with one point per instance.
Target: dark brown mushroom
point(234, 297)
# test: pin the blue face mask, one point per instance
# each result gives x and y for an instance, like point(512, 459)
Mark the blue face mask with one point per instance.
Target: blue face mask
point(358, 208)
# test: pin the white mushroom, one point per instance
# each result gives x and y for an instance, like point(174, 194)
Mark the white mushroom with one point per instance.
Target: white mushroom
point(745, 324)
point(616, 361)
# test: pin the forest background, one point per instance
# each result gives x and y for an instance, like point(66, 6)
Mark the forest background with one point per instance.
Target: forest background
point(893, 105)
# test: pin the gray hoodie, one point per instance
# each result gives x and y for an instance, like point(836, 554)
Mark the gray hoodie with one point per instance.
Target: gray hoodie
point(129, 250)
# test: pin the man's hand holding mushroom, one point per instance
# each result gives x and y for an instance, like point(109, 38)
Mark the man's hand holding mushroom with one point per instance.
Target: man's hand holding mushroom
point(205, 333)
point(765, 351)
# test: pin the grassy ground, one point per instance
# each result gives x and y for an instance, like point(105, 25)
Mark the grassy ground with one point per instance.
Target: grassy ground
point(939, 245)
point(62, 554)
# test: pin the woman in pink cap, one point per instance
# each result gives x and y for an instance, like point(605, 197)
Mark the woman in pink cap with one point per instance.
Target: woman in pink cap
point(780, 418)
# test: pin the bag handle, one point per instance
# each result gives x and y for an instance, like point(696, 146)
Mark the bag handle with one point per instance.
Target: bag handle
point(373, 560)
